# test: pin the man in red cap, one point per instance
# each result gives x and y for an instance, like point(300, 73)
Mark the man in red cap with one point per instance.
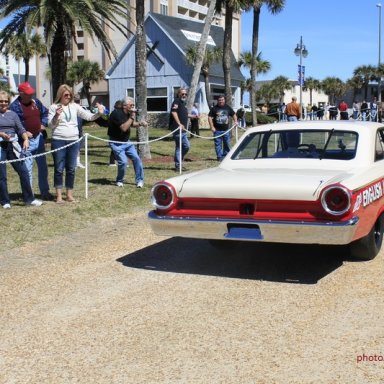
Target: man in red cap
point(34, 117)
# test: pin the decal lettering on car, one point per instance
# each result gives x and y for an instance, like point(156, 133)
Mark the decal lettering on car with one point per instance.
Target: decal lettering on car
point(369, 195)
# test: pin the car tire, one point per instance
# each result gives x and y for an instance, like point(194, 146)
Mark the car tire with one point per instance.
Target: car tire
point(369, 246)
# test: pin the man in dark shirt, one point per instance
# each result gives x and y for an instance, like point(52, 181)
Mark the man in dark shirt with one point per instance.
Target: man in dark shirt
point(178, 118)
point(218, 119)
point(119, 127)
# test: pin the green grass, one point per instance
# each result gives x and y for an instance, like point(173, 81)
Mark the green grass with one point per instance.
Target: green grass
point(21, 224)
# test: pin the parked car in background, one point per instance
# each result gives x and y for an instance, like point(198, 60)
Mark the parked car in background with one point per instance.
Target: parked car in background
point(247, 108)
point(306, 182)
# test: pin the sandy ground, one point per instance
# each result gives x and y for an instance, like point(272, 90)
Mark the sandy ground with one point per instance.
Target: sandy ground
point(114, 303)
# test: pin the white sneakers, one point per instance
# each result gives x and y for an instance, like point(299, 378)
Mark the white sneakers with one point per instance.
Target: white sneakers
point(79, 165)
point(35, 203)
point(140, 184)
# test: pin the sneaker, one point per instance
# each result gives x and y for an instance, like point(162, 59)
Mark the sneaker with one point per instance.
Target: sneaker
point(140, 184)
point(112, 165)
point(120, 184)
point(7, 206)
point(35, 203)
point(79, 165)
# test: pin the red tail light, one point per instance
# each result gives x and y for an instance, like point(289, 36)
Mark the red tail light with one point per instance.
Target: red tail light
point(163, 196)
point(336, 200)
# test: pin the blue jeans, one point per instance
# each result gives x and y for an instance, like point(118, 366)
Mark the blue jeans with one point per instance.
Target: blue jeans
point(292, 118)
point(122, 153)
point(37, 146)
point(222, 143)
point(64, 159)
point(6, 153)
point(184, 147)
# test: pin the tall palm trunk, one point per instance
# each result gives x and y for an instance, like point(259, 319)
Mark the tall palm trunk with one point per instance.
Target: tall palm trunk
point(255, 48)
point(140, 80)
point(200, 54)
point(58, 59)
point(207, 86)
point(227, 54)
point(26, 65)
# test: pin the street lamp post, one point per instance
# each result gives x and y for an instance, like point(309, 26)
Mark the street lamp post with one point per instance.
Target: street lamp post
point(301, 51)
point(379, 62)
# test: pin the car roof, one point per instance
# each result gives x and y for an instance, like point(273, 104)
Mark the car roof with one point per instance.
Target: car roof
point(362, 127)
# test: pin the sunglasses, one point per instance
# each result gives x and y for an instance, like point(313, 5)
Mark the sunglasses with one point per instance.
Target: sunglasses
point(4, 101)
point(184, 94)
point(67, 95)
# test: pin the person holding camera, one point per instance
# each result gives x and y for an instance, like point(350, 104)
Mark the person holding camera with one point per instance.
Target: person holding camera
point(62, 118)
point(120, 122)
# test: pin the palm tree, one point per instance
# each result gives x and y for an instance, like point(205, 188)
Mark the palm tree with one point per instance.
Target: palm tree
point(356, 84)
point(211, 56)
point(267, 92)
point(333, 87)
point(86, 72)
point(141, 80)
point(281, 84)
point(263, 66)
point(311, 84)
point(274, 6)
point(366, 73)
point(25, 47)
point(60, 20)
point(231, 7)
point(200, 54)
point(245, 86)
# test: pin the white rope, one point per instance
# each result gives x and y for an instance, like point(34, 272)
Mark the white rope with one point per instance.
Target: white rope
point(132, 142)
point(214, 137)
point(41, 154)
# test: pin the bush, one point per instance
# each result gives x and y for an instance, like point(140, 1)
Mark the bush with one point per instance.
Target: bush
point(261, 119)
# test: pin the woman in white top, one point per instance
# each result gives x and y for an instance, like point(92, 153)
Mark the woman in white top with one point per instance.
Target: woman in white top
point(62, 118)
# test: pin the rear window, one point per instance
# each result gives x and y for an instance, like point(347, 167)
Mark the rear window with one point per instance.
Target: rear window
point(319, 144)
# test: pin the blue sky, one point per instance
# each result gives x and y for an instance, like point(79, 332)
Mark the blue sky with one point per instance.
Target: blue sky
point(339, 35)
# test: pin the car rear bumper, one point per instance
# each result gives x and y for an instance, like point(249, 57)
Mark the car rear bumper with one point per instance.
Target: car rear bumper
point(297, 232)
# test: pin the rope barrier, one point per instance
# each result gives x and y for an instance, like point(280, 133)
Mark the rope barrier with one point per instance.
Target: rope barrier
point(87, 135)
point(41, 154)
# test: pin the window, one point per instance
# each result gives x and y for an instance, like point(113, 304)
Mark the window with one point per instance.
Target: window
point(379, 150)
point(157, 100)
point(164, 7)
point(130, 93)
point(80, 33)
point(306, 144)
point(80, 46)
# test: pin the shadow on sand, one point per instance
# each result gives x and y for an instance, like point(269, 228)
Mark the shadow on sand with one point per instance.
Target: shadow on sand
point(287, 263)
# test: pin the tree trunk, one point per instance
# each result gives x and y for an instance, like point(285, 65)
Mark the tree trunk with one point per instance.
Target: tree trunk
point(26, 64)
point(140, 81)
point(200, 56)
point(227, 53)
point(58, 60)
point(207, 89)
point(255, 47)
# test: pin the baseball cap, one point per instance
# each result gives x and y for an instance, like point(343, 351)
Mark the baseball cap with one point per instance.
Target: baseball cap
point(26, 88)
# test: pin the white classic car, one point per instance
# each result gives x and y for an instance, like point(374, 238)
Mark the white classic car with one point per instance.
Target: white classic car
point(306, 182)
